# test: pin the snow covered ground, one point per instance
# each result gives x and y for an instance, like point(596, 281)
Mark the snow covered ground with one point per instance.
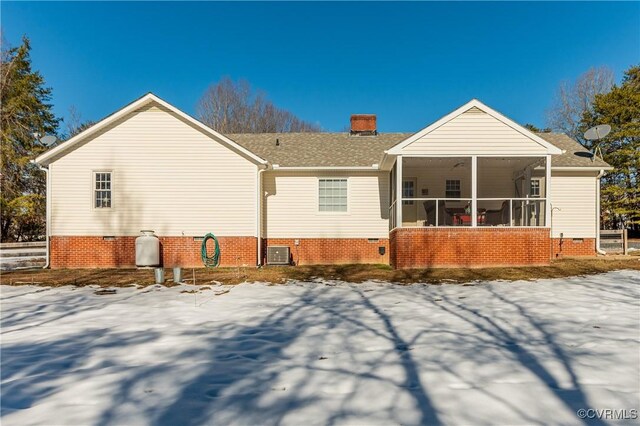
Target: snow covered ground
point(323, 353)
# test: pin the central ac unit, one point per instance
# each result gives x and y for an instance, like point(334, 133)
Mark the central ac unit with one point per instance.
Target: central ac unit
point(277, 255)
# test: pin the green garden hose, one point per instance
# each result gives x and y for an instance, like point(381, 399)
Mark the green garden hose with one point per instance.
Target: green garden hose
point(213, 260)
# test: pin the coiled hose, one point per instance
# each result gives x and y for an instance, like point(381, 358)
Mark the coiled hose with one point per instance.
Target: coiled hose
point(213, 260)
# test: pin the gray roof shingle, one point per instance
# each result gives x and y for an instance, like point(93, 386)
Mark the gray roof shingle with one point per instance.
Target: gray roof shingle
point(318, 149)
point(344, 150)
point(575, 154)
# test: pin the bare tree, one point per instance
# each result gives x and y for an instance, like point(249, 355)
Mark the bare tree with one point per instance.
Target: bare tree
point(74, 120)
point(75, 124)
point(233, 107)
point(572, 100)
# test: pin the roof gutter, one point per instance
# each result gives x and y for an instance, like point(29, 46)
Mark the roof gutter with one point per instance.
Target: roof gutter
point(578, 168)
point(329, 168)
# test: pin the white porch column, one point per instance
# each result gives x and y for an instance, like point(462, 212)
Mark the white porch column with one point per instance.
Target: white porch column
point(399, 191)
point(547, 192)
point(474, 191)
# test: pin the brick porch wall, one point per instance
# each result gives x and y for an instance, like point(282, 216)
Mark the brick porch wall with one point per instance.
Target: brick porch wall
point(96, 252)
point(574, 247)
point(326, 251)
point(469, 247)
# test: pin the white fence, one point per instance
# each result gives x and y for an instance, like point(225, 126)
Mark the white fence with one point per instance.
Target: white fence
point(614, 240)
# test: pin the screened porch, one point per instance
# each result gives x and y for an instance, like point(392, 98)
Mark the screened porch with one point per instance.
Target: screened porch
point(473, 191)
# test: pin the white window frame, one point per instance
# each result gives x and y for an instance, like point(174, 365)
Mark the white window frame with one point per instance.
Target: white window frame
point(539, 182)
point(94, 190)
point(414, 182)
point(332, 212)
point(446, 186)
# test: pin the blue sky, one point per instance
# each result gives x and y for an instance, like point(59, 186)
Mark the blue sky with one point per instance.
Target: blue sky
point(410, 63)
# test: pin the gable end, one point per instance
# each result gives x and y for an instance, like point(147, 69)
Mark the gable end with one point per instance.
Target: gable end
point(474, 129)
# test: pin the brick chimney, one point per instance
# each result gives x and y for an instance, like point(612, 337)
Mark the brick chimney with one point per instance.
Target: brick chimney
point(363, 125)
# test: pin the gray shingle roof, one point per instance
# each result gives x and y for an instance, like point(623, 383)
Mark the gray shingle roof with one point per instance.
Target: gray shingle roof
point(318, 149)
point(576, 155)
point(344, 150)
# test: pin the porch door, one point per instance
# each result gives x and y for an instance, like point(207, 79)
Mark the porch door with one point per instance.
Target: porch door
point(409, 208)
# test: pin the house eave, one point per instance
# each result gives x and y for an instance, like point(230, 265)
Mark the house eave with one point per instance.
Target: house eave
point(61, 150)
point(373, 167)
point(581, 168)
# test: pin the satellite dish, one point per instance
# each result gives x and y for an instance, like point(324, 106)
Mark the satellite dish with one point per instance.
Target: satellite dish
point(594, 134)
point(48, 140)
point(597, 132)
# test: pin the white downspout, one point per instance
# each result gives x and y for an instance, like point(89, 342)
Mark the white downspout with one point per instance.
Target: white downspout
point(259, 195)
point(47, 215)
point(598, 250)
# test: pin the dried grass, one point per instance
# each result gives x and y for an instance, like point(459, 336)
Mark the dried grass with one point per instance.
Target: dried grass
point(349, 273)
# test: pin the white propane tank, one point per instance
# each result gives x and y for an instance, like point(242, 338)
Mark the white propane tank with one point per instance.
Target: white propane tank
point(147, 249)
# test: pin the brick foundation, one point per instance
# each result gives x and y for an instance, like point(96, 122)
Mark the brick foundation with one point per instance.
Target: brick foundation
point(326, 251)
point(406, 248)
point(468, 247)
point(574, 247)
point(96, 252)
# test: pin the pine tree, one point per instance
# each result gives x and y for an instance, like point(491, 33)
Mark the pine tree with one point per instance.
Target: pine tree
point(25, 114)
point(620, 108)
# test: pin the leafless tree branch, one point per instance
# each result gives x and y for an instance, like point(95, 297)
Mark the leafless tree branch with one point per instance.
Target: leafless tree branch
point(233, 107)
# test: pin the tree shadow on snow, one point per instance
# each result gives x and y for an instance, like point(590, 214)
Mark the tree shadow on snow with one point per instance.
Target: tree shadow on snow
point(318, 352)
point(517, 341)
point(247, 376)
point(35, 370)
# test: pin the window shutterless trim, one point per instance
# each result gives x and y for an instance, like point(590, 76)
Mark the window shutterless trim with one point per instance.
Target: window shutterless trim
point(95, 189)
point(457, 188)
point(539, 188)
point(333, 198)
point(414, 187)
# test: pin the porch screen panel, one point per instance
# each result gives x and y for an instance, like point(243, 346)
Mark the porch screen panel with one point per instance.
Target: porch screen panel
point(408, 191)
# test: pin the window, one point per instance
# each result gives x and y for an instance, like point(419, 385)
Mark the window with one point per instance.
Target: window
point(102, 190)
point(332, 195)
point(452, 189)
point(408, 191)
point(535, 188)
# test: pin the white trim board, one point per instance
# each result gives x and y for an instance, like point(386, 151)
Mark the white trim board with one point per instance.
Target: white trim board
point(397, 149)
point(61, 150)
point(278, 168)
point(580, 168)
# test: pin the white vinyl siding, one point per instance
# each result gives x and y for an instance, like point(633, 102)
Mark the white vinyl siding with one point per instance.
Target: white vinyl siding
point(290, 208)
point(168, 176)
point(474, 132)
point(573, 197)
